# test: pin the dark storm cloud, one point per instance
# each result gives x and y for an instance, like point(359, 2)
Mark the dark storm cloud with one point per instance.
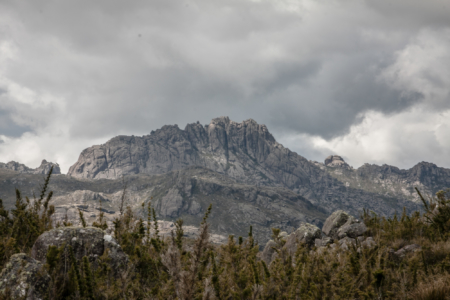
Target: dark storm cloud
point(86, 71)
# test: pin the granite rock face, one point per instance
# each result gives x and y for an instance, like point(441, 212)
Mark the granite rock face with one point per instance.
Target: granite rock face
point(245, 152)
point(24, 276)
point(44, 168)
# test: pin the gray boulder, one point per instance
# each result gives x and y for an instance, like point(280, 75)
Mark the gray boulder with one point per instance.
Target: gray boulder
point(400, 254)
point(323, 242)
point(24, 276)
point(90, 241)
point(268, 251)
point(334, 222)
point(306, 233)
point(368, 243)
point(352, 230)
point(346, 243)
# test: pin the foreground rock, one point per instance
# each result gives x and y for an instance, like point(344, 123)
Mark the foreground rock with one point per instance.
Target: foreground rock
point(90, 241)
point(305, 234)
point(401, 253)
point(352, 230)
point(269, 251)
point(334, 222)
point(24, 276)
point(341, 224)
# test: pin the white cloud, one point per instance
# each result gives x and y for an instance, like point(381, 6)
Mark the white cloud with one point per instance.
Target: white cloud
point(423, 67)
point(402, 140)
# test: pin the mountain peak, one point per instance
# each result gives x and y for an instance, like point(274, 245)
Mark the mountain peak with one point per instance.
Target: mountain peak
point(44, 168)
point(335, 161)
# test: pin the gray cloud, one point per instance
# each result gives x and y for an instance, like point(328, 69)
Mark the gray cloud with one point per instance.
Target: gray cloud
point(82, 72)
point(9, 127)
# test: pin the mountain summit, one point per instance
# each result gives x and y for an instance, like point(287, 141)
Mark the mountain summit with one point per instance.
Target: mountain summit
point(246, 152)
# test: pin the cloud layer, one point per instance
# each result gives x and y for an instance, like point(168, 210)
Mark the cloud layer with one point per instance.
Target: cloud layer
point(368, 80)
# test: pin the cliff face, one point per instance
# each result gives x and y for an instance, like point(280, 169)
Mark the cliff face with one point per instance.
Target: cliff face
point(223, 146)
point(246, 152)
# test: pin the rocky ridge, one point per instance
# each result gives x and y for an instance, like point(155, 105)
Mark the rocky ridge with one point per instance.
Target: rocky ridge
point(44, 168)
point(245, 152)
point(390, 181)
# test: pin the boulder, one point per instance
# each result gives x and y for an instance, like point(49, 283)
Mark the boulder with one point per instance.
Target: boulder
point(283, 235)
point(323, 242)
point(306, 233)
point(352, 230)
point(334, 222)
point(368, 243)
point(90, 241)
point(24, 276)
point(400, 254)
point(268, 251)
point(346, 243)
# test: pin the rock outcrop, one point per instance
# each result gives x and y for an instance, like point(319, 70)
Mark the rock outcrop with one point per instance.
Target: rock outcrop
point(44, 168)
point(24, 276)
point(90, 241)
point(268, 251)
point(336, 161)
point(305, 234)
point(334, 222)
point(400, 254)
point(340, 231)
point(352, 230)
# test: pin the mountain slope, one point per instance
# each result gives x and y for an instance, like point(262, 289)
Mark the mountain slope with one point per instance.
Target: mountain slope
point(184, 193)
point(246, 152)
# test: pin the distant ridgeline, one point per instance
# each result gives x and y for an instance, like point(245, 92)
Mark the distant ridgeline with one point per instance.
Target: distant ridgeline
point(240, 168)
point(44, 168)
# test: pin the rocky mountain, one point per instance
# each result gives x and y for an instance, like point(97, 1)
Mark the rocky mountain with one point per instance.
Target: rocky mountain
point(240, 168)
point(388, 180)
point(246, 152)
point(44, 168)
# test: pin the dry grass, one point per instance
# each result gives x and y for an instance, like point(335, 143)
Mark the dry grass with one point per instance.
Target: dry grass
point(436, 288)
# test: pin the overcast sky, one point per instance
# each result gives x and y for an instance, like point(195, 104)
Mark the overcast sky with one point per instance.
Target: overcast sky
point(367, 80)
